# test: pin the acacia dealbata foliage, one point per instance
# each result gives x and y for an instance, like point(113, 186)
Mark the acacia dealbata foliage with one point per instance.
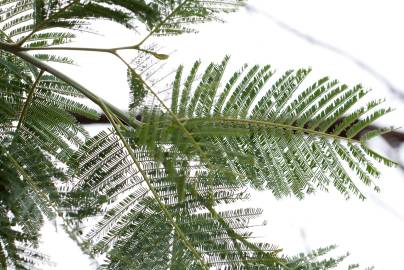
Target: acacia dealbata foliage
point(157, 182)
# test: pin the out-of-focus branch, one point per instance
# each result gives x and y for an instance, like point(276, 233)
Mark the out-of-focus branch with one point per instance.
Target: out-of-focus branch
point(394, 138)
point(394, 90)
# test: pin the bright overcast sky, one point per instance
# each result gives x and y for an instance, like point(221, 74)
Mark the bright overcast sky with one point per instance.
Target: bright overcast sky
point(370, 31)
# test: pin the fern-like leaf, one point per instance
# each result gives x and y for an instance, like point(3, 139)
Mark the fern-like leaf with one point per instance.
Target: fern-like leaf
point(291, 143)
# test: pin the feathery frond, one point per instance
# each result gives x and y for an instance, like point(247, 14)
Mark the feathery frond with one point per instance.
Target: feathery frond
point(284, 141)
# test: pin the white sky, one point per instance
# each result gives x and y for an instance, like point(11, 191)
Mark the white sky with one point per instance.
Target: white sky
point(369, 30)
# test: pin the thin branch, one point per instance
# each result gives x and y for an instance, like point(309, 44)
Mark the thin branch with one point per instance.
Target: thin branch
point(266, 123)
point(108, 50)
point(6, 36)
point(28, 100)
point(394, 138)
point(157, 28)
point(43, 66)
point(330, 47)
point(91, 49)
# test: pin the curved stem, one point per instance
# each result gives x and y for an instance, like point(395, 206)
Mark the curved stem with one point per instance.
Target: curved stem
point(157, 28)
point(267, 123)
point(109, 50)
point(6, 36)
point(91, 49)
point(28, 100)
point(93, 97)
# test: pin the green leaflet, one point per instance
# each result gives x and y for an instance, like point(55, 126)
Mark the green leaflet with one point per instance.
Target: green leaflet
point(137, 90)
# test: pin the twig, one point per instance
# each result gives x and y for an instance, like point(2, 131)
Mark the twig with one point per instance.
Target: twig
point(310, 39)
point(28, 100)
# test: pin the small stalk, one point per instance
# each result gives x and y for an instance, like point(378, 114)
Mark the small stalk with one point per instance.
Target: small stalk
point(28, 101)
point(93, 97)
